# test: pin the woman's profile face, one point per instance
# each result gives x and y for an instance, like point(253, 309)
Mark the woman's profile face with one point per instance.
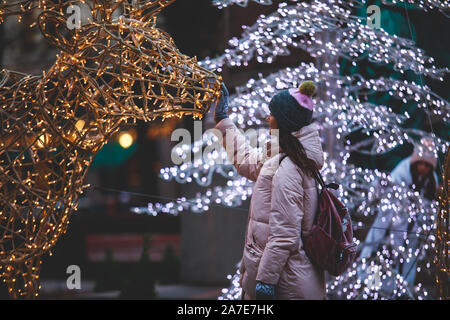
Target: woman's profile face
point(423, 168)
point(273, 124)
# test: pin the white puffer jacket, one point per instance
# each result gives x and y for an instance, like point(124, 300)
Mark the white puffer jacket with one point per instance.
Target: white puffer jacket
point(282, 209)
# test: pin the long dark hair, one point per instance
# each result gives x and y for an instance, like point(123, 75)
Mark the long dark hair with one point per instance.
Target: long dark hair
point(428, 183)
point(296, 152)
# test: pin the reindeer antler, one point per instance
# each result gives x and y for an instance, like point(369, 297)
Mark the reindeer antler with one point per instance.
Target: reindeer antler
point(100, 9)
point(151, 8)
point(8, 7)
point(20, 7)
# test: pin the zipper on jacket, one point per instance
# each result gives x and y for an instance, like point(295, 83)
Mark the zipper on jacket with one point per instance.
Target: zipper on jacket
point(252, 250)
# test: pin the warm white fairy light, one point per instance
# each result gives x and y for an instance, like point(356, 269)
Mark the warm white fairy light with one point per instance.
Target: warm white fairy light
point(108, 72)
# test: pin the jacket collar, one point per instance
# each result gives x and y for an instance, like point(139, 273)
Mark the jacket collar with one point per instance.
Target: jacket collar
point(310, 139)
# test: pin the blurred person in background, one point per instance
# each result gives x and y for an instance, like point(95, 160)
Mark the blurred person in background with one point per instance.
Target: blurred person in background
point(418, 173)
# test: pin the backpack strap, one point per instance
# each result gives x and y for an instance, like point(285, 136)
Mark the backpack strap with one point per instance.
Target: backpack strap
point(319, 178)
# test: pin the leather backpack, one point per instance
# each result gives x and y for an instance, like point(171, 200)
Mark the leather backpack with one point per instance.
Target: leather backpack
point(330, 244)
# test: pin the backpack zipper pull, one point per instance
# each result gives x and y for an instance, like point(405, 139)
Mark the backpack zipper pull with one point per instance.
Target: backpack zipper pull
point(341, 254)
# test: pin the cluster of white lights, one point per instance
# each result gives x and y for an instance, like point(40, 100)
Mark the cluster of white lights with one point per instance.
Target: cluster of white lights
point(365, 192)
point(379, 277)
point(231, 195)
point(242, 3)
point(374, 189)
point(443, 5)
point(249, 106)
point(301, 26)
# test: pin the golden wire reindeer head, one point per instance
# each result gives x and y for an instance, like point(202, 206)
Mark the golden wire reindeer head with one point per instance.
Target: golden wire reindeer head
point(110, 70)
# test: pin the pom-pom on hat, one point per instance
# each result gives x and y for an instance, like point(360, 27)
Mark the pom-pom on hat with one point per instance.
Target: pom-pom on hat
point(293, 108)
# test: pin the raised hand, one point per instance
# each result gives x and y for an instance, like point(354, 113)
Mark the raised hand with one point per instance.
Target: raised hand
point(221, 108)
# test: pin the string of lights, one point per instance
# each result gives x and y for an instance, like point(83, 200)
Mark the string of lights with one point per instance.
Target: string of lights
point(442, 258)
point(250, 107)
point(115, 69)
point(444, 5)
point(298, 26)
point(243, 3)
point(367, 193)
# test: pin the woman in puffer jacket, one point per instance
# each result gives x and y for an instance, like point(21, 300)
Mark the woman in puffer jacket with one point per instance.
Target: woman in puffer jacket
point(285, 197)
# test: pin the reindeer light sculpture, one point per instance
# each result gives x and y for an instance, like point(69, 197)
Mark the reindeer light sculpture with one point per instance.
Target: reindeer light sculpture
point(108, 71)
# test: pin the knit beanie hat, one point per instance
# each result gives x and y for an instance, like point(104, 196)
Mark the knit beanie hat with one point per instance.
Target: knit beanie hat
point(293, 108)
point(425, 152)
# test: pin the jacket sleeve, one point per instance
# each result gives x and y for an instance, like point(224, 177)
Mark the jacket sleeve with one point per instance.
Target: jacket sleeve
point(285, 225)
point(402, 172)
point(241, 267)
point(248, 161)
